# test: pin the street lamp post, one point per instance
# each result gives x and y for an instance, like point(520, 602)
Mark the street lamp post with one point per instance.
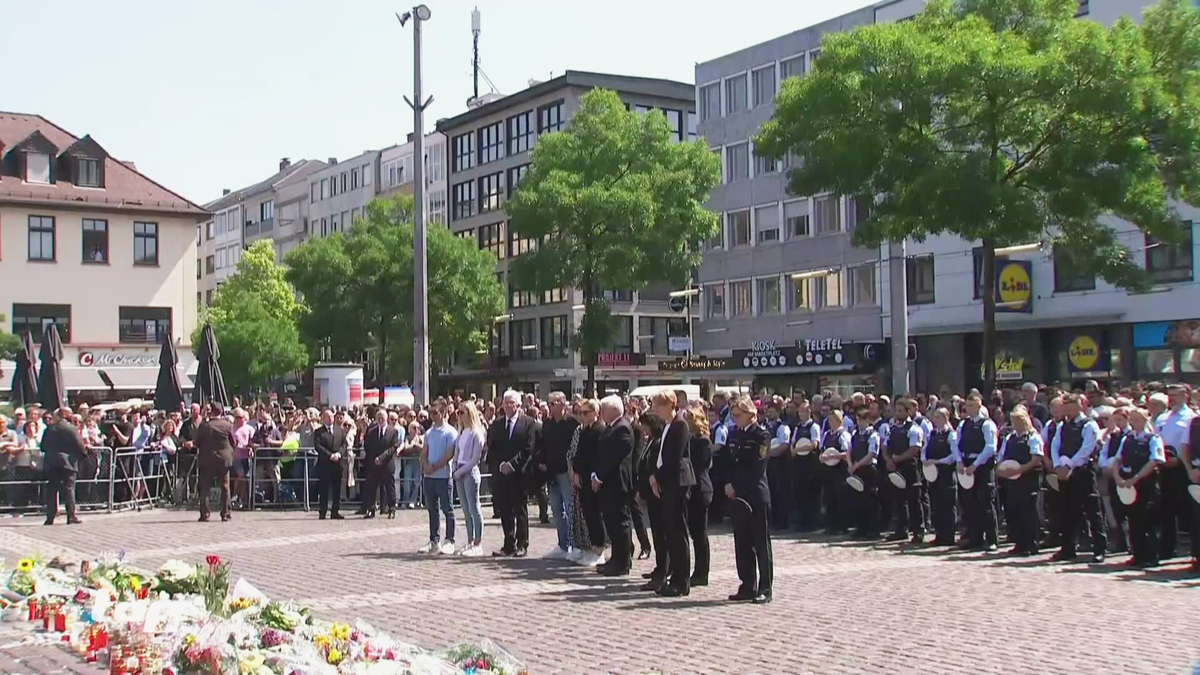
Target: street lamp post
point(420, 283)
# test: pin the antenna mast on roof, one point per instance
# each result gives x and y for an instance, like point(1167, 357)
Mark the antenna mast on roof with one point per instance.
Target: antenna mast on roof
point(475, 35)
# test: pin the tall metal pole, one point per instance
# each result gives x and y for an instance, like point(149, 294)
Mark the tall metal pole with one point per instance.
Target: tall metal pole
point(898, 280)
point(421, 281)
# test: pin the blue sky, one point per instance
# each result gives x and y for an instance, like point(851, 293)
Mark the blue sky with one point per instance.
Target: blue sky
point(208, 95)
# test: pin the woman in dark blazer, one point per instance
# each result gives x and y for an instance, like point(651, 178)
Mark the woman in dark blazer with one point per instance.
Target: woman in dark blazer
point(702, 495)
point(673, 496)
point(652, 430)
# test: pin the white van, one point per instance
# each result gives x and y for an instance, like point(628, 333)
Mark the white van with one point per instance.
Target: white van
point(692, 390)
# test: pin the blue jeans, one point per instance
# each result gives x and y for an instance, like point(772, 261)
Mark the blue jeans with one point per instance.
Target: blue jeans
point(437, 490)
point(560, 488)
point(410, 481)
point(468, 494)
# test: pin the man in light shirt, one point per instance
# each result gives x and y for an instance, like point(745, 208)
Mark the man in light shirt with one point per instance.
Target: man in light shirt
point(435, 467)
point(1173, 427)
point(977, 451)
point(1073, 454)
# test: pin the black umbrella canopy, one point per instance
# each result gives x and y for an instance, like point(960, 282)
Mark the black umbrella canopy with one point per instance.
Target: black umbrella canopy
point(210, 385)
point(50, 378)
point(168, 393)
point(24, 384)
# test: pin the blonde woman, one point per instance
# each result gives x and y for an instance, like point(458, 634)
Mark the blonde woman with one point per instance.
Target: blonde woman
point(835, 437)
point(1024, 446)
point(468, 452)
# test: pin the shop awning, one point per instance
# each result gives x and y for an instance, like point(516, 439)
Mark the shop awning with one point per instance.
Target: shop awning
point(82, 378)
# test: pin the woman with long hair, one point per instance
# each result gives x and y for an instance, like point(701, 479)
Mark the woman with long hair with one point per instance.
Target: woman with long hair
point(583, 521)
point(701, 495)
point(468, 451)
point(668, 484)
point(652, 428)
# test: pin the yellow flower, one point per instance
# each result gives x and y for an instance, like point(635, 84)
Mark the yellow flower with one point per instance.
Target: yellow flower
point(321, 640)
point(25, 565)
point(135, 584)
point(335, 657)
point(340, 631)
point(189, 640)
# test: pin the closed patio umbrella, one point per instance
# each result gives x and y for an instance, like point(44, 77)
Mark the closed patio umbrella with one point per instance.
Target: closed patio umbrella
point(50, 377)
point(210, 386)
point(24, 384)
point(168, 393)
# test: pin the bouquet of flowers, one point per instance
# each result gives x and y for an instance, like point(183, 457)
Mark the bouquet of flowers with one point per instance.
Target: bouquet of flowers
point(485, 658)
point(177, 577)
point(284, 616)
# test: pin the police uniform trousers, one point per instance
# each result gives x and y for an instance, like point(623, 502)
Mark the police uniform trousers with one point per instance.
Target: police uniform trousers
point(1052, 509)
point(807, 484)
point(886, 496)
point(943, 502)
point(866, 508)
point(1174, 509)
point(837, 498)
point(1120, 515)
point(752, 548)
point(779, 480)
point(979, 506)
point(1020, 499)
point(909, 514)
point(1144, 515)
point(1082, 504)
point(658, 532)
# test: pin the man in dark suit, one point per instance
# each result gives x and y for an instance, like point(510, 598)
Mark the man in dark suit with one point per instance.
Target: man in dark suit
point(62, 449)
point(330, 443)
point(510, 448)
point(380, 448)
point(672, 495)
point(612, 479)
point(214, 458)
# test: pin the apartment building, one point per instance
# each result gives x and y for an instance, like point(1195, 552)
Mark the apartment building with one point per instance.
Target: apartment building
point(487, 152)
point(396, 173)
point(96, 248)
point(340, 192)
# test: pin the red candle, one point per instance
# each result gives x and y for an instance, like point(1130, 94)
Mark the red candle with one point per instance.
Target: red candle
point(33, 608)
point(60, 622)
point(47, 617)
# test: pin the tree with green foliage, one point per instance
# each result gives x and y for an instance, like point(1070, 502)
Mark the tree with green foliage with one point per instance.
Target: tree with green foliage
point(1007, 122)
point(615, 203)
point(9, 345)
point(254, 316)
point(359, 286)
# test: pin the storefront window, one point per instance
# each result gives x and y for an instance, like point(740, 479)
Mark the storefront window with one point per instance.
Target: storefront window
point(1189, 360)
point(1155, 362)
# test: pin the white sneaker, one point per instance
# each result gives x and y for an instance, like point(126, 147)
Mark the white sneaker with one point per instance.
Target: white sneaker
point(555, 554)
point(574, 555)
point(464, 551)
point(475, 551)
point(447, 548)
point(590, 559)
point(428, 548)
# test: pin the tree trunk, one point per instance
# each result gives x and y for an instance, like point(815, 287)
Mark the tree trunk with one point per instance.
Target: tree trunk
point(381, 374)
point(589, 356)
point(989, 319)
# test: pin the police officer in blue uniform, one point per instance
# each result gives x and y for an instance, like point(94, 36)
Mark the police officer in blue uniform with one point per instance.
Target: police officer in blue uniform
point(864, 450)
point(749, 444)
point(1138, 464)
point(1023, 446)
point(977, 447)
point(941, 451)
point(1106, 463)
point(1074, 456)
point(837, 501)
point(779, 466)
point(807, 470)
point(905, 439)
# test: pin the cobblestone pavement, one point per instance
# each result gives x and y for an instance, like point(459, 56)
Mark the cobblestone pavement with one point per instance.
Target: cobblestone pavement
point(840, 607)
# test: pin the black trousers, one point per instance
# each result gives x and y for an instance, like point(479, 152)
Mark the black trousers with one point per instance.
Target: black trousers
point(1143, 516)
point(807, 484)
point(1082, 502)
point(1052, 505)
point(866, 503)
point(837, 499)
point(617, 523)
point(943, 502)
point(697, 519)
point(679, 554)
point(1021, 504)
point(779, 479)
point(329, 488)
point(885, 496)
point(208, 477)
point(379, 485)
point(640, 526)
point(910, 517)
point(1175, 508)
point(752, 550)
point(61, 481)
point(658, 531)
point(593, 513)
point(508, 492)
point(979, 504)
point(1121, 515)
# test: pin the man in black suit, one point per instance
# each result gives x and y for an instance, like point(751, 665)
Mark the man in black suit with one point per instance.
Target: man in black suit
point(214, 458)
point(330, 443)
point(380, 448)
point(510, 448)
point(612, 480)
point(62, 449)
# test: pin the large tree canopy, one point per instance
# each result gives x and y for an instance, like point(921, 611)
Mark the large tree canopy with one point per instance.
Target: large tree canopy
point(1006, 121)
point(254, 317)
point(616, 203)
point(359, 285)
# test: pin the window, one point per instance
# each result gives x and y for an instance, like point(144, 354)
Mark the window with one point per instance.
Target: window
point(550, 118)
point(353, 179)
point(437, 206)
point(435, 161)
point(710, 102)
point(463, 198)
point(333, 186)
point(89, 173)
point(615, 294)
point(199, 239)
point(739, 228)
point(793, 67)
point(489, 193)
point(764, 85)
point(515, 175)
point(862, 285)
point(324, 188)
point(766, 223)
point(691, 125)
point(313, 192)
point(523, 339)
point(827, 214)
point(977, 265)
point(491, 142)
point(520, 133)
point(210, 264)
point(518, 298)
point(735, 94)
point(743, 297)
point(714, 301)
point(801, 295)
point(828, 289)
point(1067, 275)
point(918, 270)
point(95, 241)
point(464, 151)
point(764, 165)
point(1083, 8)
point(795, 217)
point(555, 295)
point(768, 296)
point(367, 171)
point(641, 109)
point(41, 238)
point(266, 210)
point(208, 298)
point(144, 324)
point(37, 168)
point(675, 121)
point(717, 241)
point(655, 333)
point(145, 243)
point(555, 330)
point(491, 237)
point(737, 162)
point(33, 319)
point(622, 341)
point(1168, 262)
point(465, 234)
point(518, 245)
point(345, 182)
point(813, 57)
point(858, 210)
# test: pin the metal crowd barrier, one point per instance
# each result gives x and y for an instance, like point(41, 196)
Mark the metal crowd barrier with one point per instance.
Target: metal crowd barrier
point(109, 479)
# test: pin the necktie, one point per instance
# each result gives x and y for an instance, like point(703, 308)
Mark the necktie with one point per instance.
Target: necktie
point(511, 424)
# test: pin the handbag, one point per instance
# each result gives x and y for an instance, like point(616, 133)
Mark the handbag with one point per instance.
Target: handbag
point(687, 473)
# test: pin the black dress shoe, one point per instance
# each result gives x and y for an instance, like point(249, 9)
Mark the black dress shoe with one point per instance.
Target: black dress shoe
point(653, 574)
point(74, 521)
point(520, 553)
point(652, 585)
point(743, 596)
point(918, 539)
point(203, 519)
point(337, 516)
point(503, 554)
point(991, 548)
point(897, 536)
point(606, 571)
point(763, 598)
point(1098, 558)
point(644, 554)
point(321, 517)
point(1063, 556)
point(699, 581)
point(49, 522)
point(669, 591)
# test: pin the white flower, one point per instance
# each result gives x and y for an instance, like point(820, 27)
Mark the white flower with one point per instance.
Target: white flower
point(176, 570)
